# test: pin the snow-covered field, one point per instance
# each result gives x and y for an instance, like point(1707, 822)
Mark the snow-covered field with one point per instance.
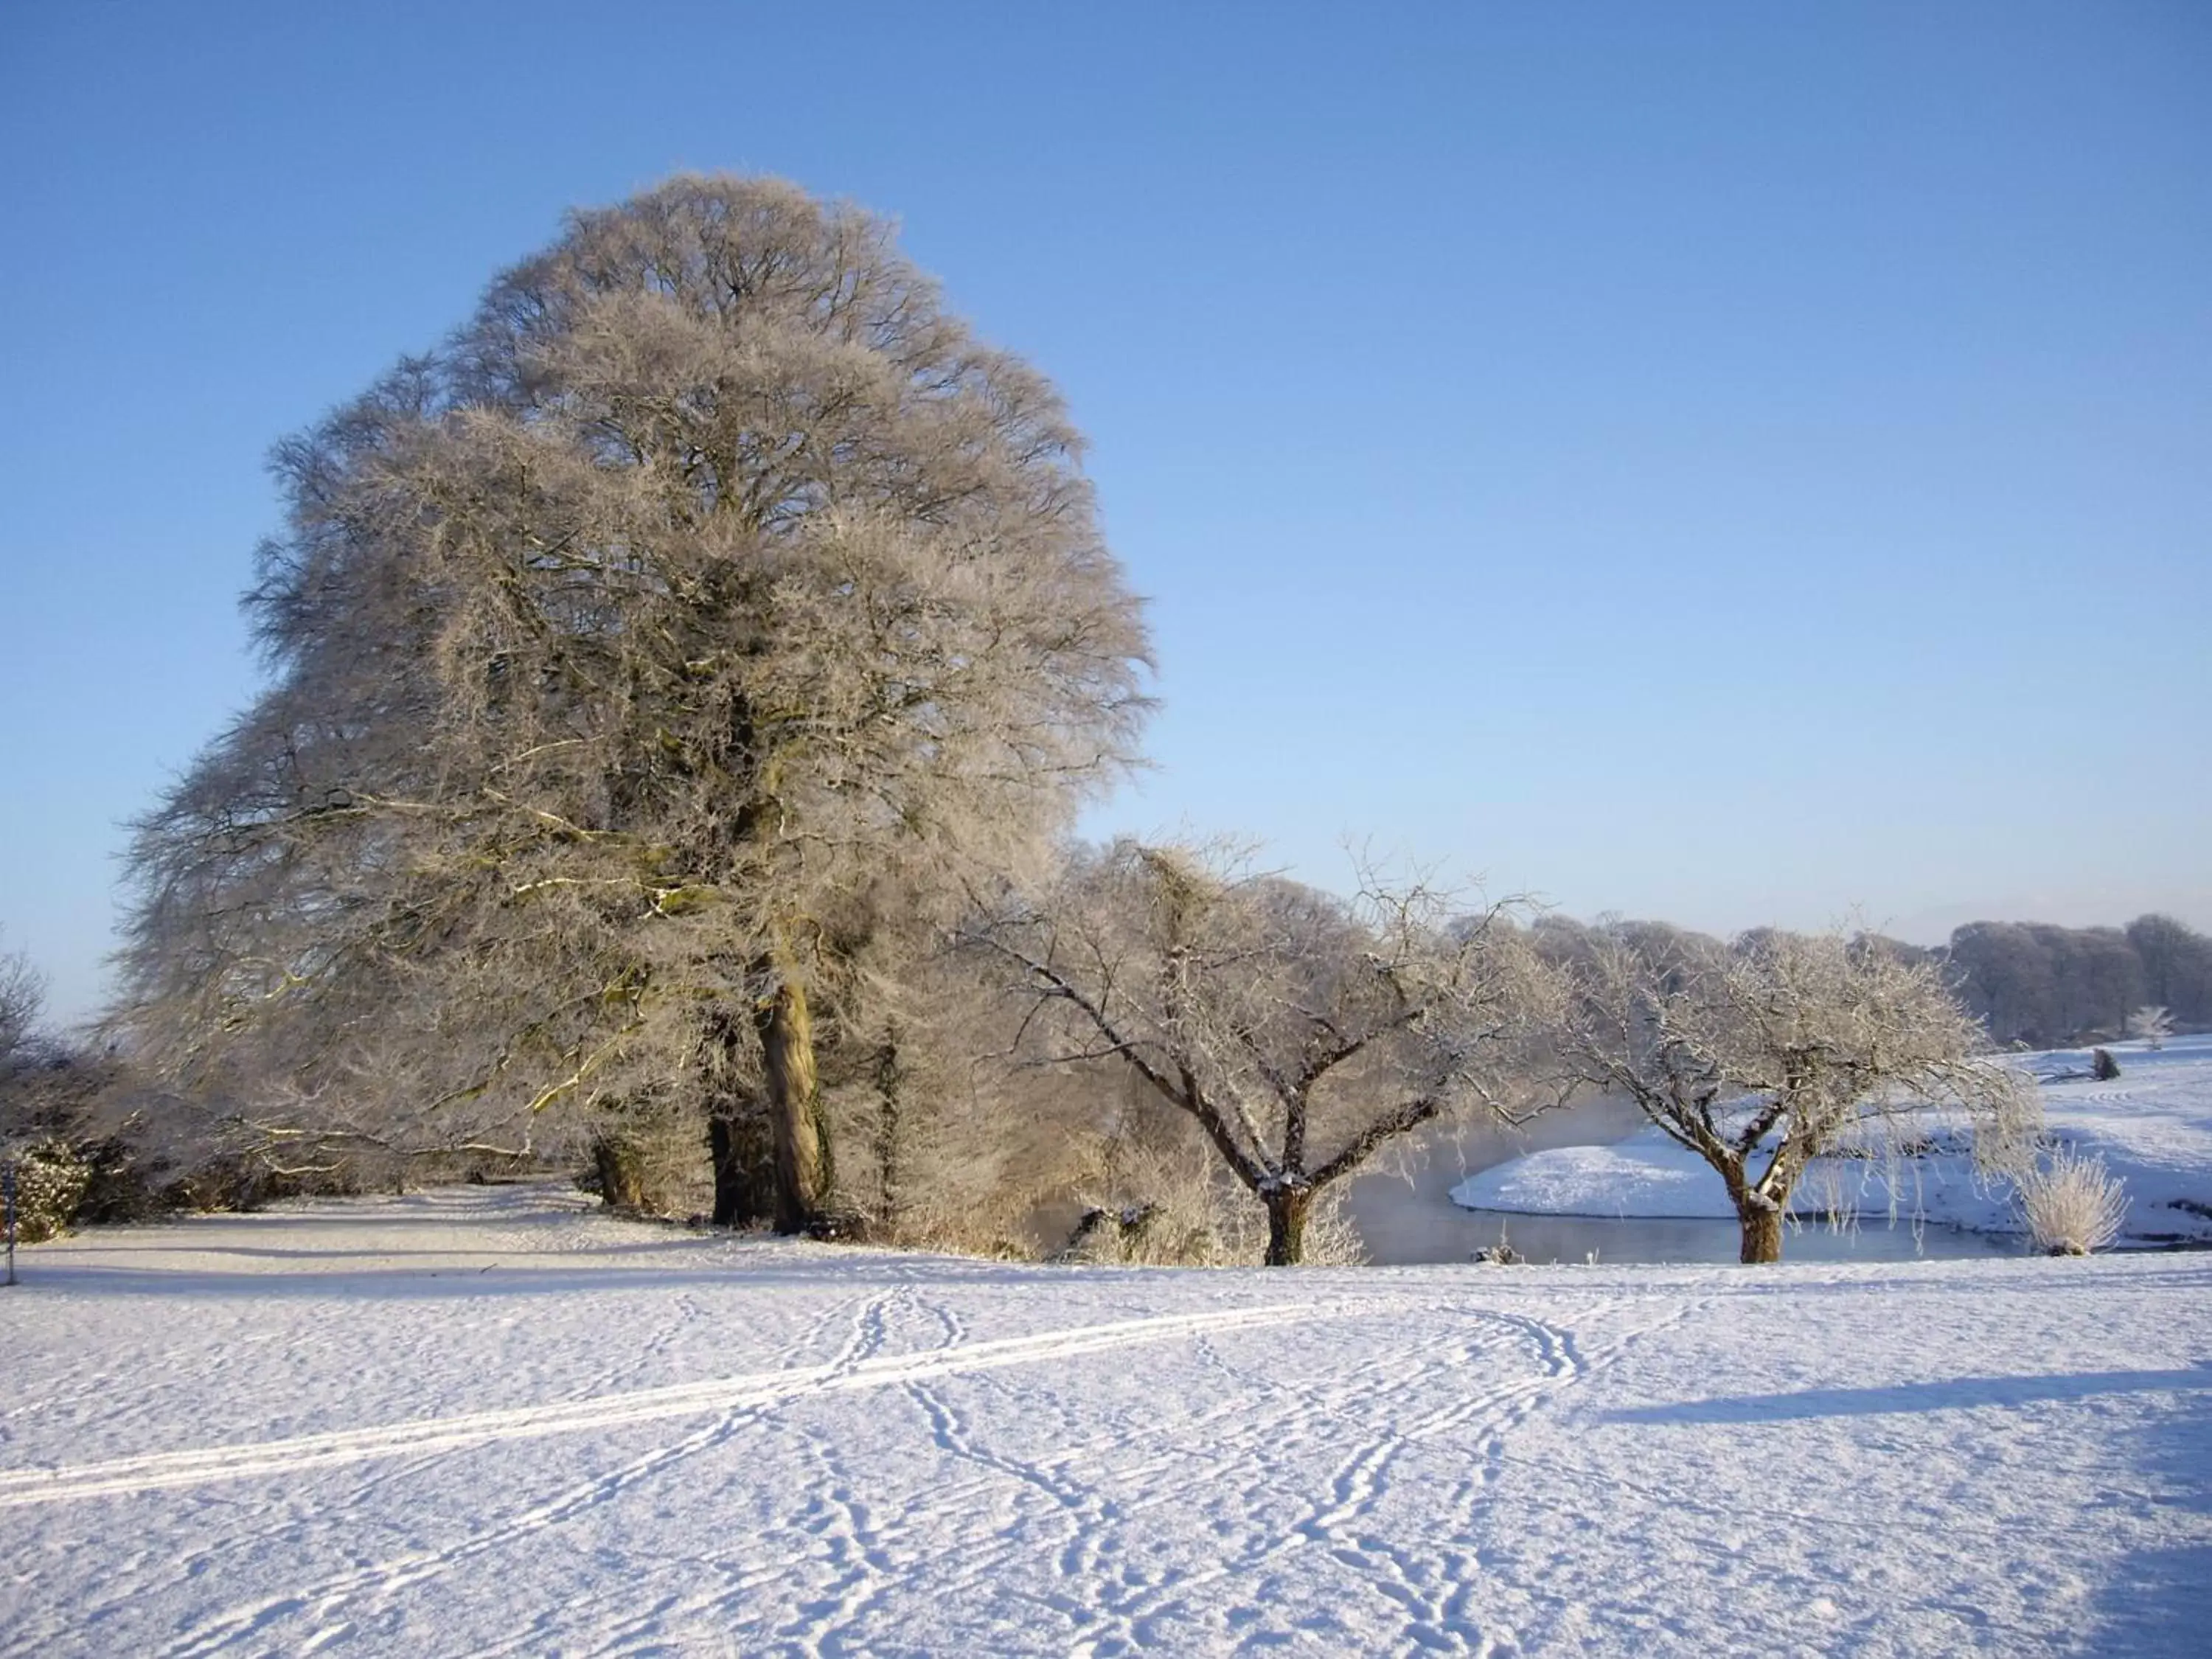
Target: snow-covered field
point(487, 1422)
point(2152, 1125)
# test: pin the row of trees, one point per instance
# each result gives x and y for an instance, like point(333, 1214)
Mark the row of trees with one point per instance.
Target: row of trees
point(681, 683)
point(1291, 1037)
point(1303, 1034)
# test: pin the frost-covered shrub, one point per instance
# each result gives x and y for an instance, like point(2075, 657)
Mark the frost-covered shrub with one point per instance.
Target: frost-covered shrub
point(2073, 1204)
point(1168, 1206)
point(50, 1183)
point(1500, 1255)
point(104, 1151)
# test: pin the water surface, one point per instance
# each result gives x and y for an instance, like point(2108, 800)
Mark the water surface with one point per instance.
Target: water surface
point(1409, 1219)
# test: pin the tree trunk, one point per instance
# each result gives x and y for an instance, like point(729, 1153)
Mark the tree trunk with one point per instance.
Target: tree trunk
point(794, 1102)
point(738, 1149)
point(744, 1175)
point(730, 1193)
point(1286, 1224)
point(620, 1172)
point(890, 1086)
point(1762, 1233)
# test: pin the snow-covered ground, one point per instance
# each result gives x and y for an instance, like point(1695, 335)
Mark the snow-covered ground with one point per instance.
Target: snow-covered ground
point(2152, 1125)
point(487, 1422)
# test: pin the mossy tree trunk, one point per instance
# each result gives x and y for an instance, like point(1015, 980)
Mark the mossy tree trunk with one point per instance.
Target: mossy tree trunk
point(795, 1100)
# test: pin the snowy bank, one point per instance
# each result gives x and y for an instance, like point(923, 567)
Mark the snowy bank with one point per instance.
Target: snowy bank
point(2152, 1125)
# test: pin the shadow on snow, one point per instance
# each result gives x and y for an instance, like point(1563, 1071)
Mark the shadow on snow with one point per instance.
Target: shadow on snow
point(1954, 1394)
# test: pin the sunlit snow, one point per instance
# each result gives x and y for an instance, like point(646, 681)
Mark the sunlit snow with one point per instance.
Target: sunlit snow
point(491, 1422)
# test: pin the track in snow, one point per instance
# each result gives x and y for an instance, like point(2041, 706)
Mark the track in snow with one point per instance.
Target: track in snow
point(1417, 1460)
point(160, 1470)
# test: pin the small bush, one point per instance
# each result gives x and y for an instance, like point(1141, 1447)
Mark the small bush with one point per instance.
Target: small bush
point(2072, 1204)
point(1500, 1255)
point(2102, 1065)
point(51, 1179)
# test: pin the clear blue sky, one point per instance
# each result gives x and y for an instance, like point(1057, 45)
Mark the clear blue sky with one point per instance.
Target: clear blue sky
point(1728, 462)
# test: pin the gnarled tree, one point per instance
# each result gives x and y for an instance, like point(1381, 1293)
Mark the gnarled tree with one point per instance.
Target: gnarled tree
point(1302, 1034)
point(712, 567)
point(1763, 1055)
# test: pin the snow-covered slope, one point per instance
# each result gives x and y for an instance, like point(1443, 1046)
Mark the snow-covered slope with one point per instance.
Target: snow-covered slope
point(2152, 1125)
point(487, 1423)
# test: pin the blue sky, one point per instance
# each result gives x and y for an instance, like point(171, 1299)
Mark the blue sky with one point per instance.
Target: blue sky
point(1727, 462)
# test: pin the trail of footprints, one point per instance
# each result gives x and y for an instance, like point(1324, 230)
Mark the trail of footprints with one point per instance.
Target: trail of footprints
point(1245, 1450)
point(858, 1365)
point(826, 1581)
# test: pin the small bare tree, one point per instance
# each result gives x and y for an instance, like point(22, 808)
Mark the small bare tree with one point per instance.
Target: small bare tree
point(2152, 1024)
point(1762, 1055)
point(22, 995)
point(1301, 1033)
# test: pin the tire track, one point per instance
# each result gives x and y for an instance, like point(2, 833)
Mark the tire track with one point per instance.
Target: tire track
point(161, 1471)
point(400, 1467)
point(863, 1339)
point(857, 1559)
point(740, 1399)
point(1266, 1415)
point(852, 1543)
point(950, 1515)
point(377, 1583)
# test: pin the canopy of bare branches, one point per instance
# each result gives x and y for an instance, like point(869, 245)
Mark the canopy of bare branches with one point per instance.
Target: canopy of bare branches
point(22, 995)
point(1301, 1033)
point(1764, 1053)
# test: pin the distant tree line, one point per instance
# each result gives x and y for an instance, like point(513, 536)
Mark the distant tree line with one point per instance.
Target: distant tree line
point(2042, 986)
point(2028, 983)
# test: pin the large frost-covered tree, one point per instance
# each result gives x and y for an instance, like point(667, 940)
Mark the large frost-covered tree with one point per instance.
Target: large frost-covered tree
point(623, 647)
point(1764, 1053)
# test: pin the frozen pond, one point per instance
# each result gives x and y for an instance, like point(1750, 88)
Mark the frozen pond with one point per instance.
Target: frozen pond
point(1408, 1220)
point(1616, 1239)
